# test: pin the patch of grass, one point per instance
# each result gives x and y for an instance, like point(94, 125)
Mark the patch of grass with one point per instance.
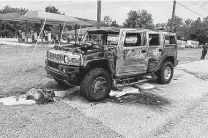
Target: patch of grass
point(16, 75)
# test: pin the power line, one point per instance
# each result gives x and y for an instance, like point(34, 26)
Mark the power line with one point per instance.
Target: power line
point(194, 2)
point(198, 4)
point(190, 10)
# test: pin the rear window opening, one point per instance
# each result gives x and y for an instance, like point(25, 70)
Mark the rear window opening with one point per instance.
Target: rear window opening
point(154, 40)
point(170, 40)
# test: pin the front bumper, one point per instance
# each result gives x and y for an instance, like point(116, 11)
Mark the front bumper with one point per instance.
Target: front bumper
point(54, 73)
point(62, 72)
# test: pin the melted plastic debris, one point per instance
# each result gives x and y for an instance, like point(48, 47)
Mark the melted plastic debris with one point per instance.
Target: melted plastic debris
point(33, 96)
point(14, 101)
point(144, 86)
point(126, 90)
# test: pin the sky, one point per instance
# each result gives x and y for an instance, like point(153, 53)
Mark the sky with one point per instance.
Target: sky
point(161, 10)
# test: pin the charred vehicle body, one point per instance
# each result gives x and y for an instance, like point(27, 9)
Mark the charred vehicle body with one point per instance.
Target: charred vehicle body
point(111, 58)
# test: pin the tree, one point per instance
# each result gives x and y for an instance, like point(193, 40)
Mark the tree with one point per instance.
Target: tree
point(131, 22)
point(188, 22)
point(114, 24)
point(139, 19)
point(145, 19)
point(199, 31)
point(193, 30)
point(185, 30)
point(106, 21)
point(52, 9)
point(10, 28)
point(8, 9)
point(177, 23)
point(161, 26)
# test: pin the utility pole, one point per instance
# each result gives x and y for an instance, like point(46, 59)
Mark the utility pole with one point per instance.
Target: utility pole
point(26, 31)
point(41, 35)
point(98, 14)
point(75, 29)
point(173, 15)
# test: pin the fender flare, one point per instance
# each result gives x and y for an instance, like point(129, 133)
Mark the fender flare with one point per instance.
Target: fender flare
point(163, 60)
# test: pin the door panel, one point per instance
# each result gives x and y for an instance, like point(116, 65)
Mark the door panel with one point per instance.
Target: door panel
point(155, 51)
point(135, 59)
point(155, 54)
point(134, 54)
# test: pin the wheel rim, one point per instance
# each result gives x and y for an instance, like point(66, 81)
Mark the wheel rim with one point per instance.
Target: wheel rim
point(99, 85)
point(167, 73)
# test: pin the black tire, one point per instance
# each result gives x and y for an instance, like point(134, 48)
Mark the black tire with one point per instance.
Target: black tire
point(91, 80)
point(161, 78)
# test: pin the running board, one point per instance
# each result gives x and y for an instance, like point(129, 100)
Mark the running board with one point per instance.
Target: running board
point(129, 84)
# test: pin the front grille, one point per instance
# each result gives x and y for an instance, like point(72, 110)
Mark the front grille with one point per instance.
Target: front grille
point(53, 64)
point(56, 57)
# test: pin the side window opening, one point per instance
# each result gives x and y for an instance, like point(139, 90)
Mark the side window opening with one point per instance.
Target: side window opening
point(154, 39)
point(112, 39)
point(134, 39)
point(170, 40)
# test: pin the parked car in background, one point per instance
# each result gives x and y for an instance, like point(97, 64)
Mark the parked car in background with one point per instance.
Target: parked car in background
point(192, 44)
point(181, 44)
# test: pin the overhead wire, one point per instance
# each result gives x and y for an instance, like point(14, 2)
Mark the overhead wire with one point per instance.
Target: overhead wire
point(198, 4)
point(190, 10)
point(194, 2)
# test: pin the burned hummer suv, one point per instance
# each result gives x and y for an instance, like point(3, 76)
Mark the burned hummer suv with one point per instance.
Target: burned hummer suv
point(107, 59)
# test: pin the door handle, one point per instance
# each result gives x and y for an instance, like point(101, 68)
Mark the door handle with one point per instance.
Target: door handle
point(124, 54)
point(160, 50)
point(144, 51)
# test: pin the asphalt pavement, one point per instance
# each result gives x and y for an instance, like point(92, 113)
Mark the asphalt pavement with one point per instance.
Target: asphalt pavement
point(56, 120)
point(152, 113)
point(178, 109)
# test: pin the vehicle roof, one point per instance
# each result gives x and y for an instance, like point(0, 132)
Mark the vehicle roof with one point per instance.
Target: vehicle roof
point(149, 30)
point(107, 30)
point(116, 30)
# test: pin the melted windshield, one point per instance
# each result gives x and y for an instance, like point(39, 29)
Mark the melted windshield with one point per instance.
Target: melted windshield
point(101, 38)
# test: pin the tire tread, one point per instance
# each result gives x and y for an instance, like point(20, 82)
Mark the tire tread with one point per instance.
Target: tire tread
point(84, 89)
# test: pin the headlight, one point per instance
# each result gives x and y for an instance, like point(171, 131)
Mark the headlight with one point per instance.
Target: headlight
point(66, 59)
point(74, 60)
point(70, 60)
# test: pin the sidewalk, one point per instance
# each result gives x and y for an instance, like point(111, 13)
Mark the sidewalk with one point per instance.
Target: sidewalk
point(198, 68)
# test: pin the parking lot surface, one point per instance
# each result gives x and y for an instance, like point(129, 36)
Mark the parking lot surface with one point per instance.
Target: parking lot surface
point(174, 110)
